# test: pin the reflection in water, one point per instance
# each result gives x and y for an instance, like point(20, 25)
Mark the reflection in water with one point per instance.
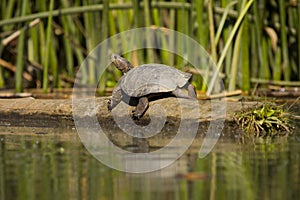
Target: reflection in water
point(58, 167)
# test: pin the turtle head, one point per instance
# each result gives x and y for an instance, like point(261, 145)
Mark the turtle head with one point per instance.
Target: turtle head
point(121, 63)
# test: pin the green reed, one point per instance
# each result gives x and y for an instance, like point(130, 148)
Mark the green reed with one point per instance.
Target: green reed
point(21, 52)
point(227, 45)
point(247, 43)
point(239, 56)
point(47, 49)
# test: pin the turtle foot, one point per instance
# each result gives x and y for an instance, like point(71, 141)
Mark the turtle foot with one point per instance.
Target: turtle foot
point(141, 108)
point(135, 115)
point(109, 105)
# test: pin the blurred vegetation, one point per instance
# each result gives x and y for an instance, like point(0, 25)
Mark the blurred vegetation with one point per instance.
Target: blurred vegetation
point(43, 43)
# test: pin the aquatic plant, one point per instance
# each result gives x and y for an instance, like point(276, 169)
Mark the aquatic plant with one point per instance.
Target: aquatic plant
point(267, 119)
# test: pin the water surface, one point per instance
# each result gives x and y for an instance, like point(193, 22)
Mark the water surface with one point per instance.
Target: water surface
point(53, 164)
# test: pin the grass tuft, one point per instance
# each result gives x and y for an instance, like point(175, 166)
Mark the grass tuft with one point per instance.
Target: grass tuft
point(267, 120)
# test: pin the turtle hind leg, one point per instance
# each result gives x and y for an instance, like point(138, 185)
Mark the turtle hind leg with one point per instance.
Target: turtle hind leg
point(141, 108)
point(191, 91)
point(179, 93)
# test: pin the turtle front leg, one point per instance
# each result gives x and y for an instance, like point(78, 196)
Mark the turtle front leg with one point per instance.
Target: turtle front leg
point(115, 99)
point(141, 108)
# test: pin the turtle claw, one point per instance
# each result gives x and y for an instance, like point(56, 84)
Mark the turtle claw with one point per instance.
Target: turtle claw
point(135, 115)
point(109, 107)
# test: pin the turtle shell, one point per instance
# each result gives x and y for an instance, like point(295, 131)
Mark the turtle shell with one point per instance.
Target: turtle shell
point(153, 78)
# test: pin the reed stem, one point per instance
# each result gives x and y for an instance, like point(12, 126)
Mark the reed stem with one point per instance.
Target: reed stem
point(227, 45)
point(21, 45)
point(212, 31)
point(284, 44)
point(47, 50)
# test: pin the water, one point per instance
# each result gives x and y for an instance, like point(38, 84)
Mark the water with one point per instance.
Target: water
point(53, 164)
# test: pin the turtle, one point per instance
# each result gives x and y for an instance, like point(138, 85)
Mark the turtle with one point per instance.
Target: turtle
point(140, 84)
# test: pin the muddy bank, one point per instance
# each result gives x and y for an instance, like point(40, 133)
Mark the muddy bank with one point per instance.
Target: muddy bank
point(58, 113)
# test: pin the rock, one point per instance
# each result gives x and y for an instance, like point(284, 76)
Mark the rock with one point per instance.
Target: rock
point(166, 112)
